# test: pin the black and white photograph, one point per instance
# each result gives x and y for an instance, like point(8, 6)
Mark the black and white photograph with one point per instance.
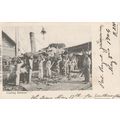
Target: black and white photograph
point(47, 57)
point(59, 59)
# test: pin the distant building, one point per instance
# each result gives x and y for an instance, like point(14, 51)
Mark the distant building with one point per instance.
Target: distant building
point(8, 45)
point(57, 45)
point(79, 48)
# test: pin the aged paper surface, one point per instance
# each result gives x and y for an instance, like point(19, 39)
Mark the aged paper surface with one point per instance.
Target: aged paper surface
point(60, 60)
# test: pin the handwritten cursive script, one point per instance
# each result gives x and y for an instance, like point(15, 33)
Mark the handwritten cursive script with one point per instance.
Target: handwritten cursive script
point(106, 58)
point(78, 96)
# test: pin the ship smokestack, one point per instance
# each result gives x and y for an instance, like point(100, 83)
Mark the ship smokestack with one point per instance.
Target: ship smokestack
point(32, 41)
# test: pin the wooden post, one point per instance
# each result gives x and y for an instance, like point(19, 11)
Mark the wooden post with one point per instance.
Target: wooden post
point(16, 53)
point(33, 50)
point(16, 40)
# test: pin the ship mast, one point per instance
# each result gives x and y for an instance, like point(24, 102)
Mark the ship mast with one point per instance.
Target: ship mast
point(17, 41)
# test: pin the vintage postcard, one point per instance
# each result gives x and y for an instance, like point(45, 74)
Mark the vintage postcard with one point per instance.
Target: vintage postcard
point(60, 60)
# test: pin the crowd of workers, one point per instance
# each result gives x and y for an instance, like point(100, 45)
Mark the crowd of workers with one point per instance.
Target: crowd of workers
point(65, 64)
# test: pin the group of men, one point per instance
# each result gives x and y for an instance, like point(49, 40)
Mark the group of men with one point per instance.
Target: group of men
point(21, 67)
point(64, 65)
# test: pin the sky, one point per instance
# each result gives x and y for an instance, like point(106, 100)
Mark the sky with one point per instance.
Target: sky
point(69, 33)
